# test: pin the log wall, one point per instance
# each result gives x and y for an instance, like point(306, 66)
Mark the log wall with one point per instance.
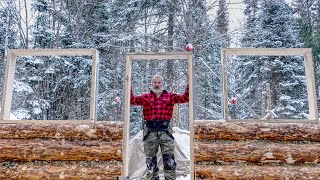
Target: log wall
point(247, 150)
point(236, 150)
point(61, 151)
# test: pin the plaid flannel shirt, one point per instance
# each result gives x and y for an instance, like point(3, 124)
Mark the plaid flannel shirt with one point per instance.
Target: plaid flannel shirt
point(159, 108)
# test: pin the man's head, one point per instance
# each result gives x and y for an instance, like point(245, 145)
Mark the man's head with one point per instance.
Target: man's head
point(157, 84)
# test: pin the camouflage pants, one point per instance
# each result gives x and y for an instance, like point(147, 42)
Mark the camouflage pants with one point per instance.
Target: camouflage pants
point(152, 141)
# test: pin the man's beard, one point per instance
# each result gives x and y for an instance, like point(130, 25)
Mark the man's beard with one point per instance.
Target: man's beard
point(156, 90)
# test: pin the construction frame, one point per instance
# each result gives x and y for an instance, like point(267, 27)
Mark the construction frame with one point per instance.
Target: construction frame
point(9, 79)
point(308, 64)
point(155, 56)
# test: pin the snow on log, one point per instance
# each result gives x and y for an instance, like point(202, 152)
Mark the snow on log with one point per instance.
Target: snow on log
point(211, 130)
point(71, 171)
point(251, 172)
point(257, 152)
point(53, 150)
point(106, 131)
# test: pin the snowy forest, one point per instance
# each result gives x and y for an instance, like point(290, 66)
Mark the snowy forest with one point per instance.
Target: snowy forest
point(53, 88)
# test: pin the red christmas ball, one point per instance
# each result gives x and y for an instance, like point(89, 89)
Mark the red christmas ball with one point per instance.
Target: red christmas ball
point(189, 47)
point(233, 100)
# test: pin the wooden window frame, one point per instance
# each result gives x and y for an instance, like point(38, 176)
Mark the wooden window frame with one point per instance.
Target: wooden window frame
point(9, 78)
point(308, 64)
point(155, 56)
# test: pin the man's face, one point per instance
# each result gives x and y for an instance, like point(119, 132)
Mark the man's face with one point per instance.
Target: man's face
point(157, 85)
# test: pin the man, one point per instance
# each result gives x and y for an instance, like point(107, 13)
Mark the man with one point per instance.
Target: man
point(157, 130)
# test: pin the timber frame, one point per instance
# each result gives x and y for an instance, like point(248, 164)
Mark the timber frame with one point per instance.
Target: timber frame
point(9, 78)
point(308, 64)
point(155, 56)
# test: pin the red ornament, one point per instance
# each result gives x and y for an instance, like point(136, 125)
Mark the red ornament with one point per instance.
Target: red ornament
point(189, 47)
point(117, 100)
point(233, 100)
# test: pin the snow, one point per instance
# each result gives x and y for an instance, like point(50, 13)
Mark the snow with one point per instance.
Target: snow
point(21, 114)
point(22, 87)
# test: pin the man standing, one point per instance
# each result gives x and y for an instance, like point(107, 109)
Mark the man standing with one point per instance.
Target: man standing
point(157, 130)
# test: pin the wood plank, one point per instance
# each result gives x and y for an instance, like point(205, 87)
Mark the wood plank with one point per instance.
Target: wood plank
point(68, 171)
point(224, 99)
point(211, 130)
point(94, 86)
point(159, 55)
point(54, 52)
point(191, 117)
point(311, 87)
point(305, 121)
point(105, 131)
point(59, 150)
point(126, 124)
point(8, 86)
point(257, 152)
point(251, 172)
point(266, 51)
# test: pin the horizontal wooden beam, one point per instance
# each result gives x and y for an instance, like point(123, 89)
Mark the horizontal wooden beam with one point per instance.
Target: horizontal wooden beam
point(107, 171)
point(159, 56)
point(257, 172)
point(53, 52)
point(257, 152)
point(266, 51)
point(211, 130)
point(46, 121)
point(59, 150)
point(309, 121)
point(106, 131)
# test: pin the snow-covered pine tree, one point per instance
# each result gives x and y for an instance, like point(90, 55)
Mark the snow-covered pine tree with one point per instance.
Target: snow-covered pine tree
point(275, 28)
point(8, 35)
point(308, 15)
point(208, 42)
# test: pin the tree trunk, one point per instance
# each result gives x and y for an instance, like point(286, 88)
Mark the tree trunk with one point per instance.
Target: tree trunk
point(68, 171)
point(59, 150)
point(209, 130)
point(232, 172)
point(105, 131)
point(257, 152)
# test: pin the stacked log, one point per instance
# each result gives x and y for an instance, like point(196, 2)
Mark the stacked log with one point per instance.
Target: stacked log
point(61, 151)
point(247, 150)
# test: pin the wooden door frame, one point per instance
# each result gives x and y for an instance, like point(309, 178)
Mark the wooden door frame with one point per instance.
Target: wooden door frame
point(126, 127)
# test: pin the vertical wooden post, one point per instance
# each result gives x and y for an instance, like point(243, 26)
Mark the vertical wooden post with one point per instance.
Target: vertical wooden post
point(311, 88)
point(94, 85)
point(224, 85)
point(126, 123)
point(8, 86)
point(191, 124)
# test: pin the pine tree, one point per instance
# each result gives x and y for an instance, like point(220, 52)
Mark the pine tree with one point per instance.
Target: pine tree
point(308, 13)
point(222, 23)
point(7, 36)
point(276, 28)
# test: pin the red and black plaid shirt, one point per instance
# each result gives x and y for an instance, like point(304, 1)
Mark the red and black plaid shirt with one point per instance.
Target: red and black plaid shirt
point(159, 108)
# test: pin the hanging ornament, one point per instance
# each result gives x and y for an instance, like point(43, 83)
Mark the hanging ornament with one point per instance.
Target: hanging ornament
point(233, 100)
point(116, 100)
point(189, 47)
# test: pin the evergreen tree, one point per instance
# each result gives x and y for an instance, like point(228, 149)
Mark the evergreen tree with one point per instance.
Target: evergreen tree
point(222, 23)
point(308, 13)
point(276, 28)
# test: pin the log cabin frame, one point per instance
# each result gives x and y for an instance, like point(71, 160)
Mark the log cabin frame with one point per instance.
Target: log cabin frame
point(308, 64)
point(9, 79)
point(126, 126)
